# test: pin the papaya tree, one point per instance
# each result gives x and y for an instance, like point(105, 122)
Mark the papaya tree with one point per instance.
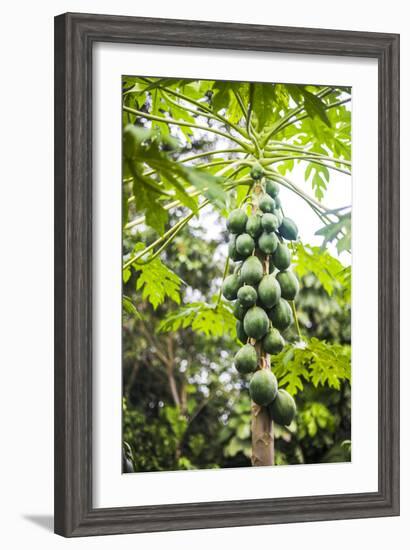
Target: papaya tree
point(191, 146)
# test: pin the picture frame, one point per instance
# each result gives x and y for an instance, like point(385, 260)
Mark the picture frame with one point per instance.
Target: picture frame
point(75, 35)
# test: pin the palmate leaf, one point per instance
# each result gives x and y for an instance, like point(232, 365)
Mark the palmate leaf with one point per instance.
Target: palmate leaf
point(339, 231)
point(332, 275)
point(157, 282)
point(209, 319)
point(317, 361)
point(263, 101)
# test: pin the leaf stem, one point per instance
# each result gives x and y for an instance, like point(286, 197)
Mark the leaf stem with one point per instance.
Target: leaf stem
point(292, 304)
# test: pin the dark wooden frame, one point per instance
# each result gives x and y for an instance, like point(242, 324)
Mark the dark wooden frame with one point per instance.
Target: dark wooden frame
point(74, 38)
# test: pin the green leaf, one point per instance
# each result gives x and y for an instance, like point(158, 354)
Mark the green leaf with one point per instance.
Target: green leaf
point(340, 231)
point(263, 101)
point(157, 282)
point(209, 319)
point(130, 308)
point(330, 272)
point(316, 361)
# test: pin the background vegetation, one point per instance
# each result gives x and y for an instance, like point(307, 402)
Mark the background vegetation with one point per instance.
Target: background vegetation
point(188, 149)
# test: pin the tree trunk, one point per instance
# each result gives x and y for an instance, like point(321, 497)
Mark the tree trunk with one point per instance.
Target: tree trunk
point(262, 437)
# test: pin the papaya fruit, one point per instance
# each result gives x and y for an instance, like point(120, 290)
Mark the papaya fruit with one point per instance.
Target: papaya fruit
point(232, 252)
point(257, 171)
point(256, 322)
point(289, 285)
point(246, 360)
point(282, 409)
point(273, 342)
point(237, 221)
point(251, 271)
point(254, 226)
point(245, 245)
point(269, 222)
point(288, 229)
point(231, 286)
point(268, 291)
point(279, 215)
point(238, 310)
point(266, 204)
point(272, 188)
point(281, 257)
point(240, 332)
point(263, 387)
point(247, 296)
point(278, 202)
point(281, 315)
point(268, 243)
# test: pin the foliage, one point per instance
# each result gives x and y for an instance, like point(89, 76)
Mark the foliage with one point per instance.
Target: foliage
point(189, 147)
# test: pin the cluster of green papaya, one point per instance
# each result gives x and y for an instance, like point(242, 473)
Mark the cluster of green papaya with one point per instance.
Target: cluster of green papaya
point(262, 286)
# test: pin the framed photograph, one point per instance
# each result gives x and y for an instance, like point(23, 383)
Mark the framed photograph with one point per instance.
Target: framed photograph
point(226, 274)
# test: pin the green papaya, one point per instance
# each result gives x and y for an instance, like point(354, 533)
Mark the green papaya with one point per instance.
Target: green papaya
point(256, 322)
point(269, 222)
point(240, 332)
point(273, 342)
point(232, 252)
point(247, 296)
point(266, 203)
point(289, 285)
point(279, 215)
point(238, 310)
point(254, 226)
point(246, 360)
point(237, 221)
point(251, 271)
point(281, 315)
point(257, 171)
point(272, 188)
point(282, 409)
point(269, 291)
point(268, 243)
point(281, 257)
point(245, 245)
point(263, 387)
point(288, 229)
point(278, 202)
point(231, 286)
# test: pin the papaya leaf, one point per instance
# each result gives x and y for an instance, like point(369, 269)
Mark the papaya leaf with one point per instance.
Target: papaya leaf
point(316, 361)
point(263, 101)
point(157, 282)
point(209, 319)
point(339, 231)
point(330, 272)
point(221, 96)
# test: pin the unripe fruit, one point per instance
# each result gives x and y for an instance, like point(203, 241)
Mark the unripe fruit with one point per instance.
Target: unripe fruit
point(273, 342)
point(246, 360)
point(289, 285)
point(257, 171)
point(230, 287)
point(281, 257)
point(268, 291)
point(238, 310)
point(288, 229)
point(237, 221)
point(253, 225)
point(268, 243)
point(256, 323)
point(263, 387)
point(272, 188)
point(269, 222)
point(251, 271)
point(245, 245)
point(281, 315)
point(279, 215)
point(247, 296)
point(240, 332)
point(266, 204)
point(282, 409)
point(232, 252)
